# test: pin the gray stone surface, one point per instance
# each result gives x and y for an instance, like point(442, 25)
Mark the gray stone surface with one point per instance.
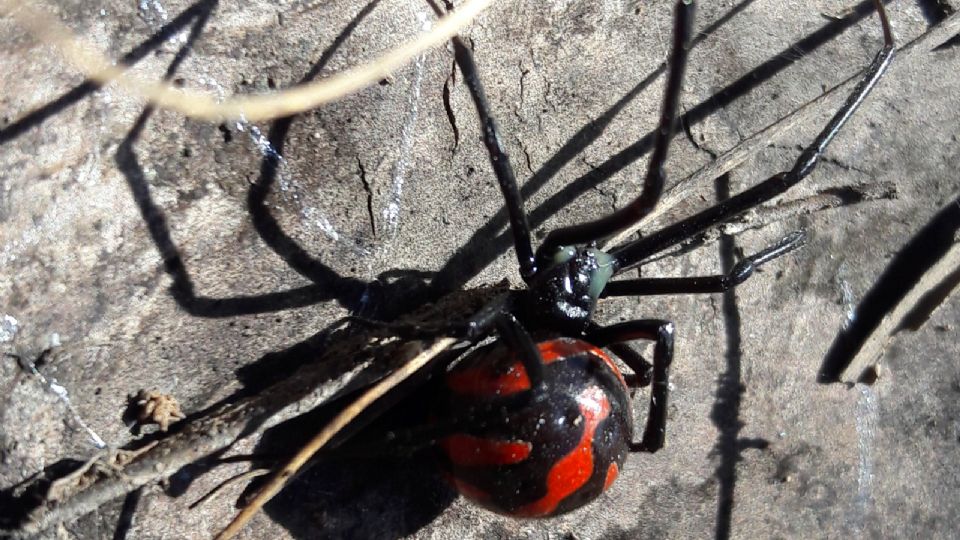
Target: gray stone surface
point(78, 263)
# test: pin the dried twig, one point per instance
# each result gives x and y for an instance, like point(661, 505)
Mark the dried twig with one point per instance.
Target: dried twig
point(762, 216)
point(826, 199)
point(245, 475)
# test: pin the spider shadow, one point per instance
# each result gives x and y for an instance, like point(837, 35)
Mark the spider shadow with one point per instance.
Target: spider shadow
point(199, 11)
point(390, 295)
point(905, 270)
point(725, 413)
point(22, 498)
point(337, 499)
point(326, 283)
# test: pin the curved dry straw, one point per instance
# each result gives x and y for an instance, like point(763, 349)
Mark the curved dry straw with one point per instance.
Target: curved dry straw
point(205, 106)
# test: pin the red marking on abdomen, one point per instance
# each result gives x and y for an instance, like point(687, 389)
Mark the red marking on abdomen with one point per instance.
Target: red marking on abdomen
point(612, 472)
point(557, 349)
point(468, 451)
point(483, 381)
point(573, 470)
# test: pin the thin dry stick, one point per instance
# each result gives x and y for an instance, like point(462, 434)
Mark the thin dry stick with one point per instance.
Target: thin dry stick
point(332, 428)
point(762, 216)
point(205, 106)
point(246, 475)
point(827, 199)
point(830, 99)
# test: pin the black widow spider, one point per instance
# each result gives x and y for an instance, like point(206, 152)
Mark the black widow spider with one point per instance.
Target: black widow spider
point(538, 422)
point(516, 451)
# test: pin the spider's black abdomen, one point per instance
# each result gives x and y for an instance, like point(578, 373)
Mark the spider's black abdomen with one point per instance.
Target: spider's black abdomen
point(537, 453)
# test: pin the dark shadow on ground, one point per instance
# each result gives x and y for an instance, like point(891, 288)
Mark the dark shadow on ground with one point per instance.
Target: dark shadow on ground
point(365, 486)
point(726, 409)
point(904, 271)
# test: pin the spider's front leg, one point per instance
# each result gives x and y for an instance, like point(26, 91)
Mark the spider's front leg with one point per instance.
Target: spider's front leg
point(706, 284)
point(662, 333)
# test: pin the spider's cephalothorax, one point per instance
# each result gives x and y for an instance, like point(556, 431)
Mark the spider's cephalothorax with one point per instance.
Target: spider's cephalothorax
point(526, 410)
point(563, 295)
point(531, 453)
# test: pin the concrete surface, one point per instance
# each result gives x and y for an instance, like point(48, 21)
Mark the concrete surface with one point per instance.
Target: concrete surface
point(95, 195)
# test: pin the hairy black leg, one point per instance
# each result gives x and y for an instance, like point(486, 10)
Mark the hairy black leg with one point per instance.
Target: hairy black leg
point(705, 284)
point(636, 252)
point(662, 333)
point(655, 178)
point(500, 161)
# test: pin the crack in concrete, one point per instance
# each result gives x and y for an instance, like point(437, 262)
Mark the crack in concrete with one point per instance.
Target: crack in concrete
point(523, 76)
point(526, 155)
point(366, 187)
point(448, 105)
point(693, 140)
point(611, 196)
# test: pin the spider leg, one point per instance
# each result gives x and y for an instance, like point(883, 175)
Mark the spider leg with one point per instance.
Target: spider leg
point(662, 332)
point(642, 369)
point(636, 252)
point(706, 284)
point(494, 316)
point(654, 181)
point(499, 160)
point(519, 341)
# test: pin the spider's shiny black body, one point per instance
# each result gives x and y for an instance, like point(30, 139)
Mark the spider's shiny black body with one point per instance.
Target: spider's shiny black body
point(547, 340)
point(564, 295)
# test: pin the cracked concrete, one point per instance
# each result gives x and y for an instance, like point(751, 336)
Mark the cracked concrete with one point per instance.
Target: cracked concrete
point(366, 187)
point(169, 253)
